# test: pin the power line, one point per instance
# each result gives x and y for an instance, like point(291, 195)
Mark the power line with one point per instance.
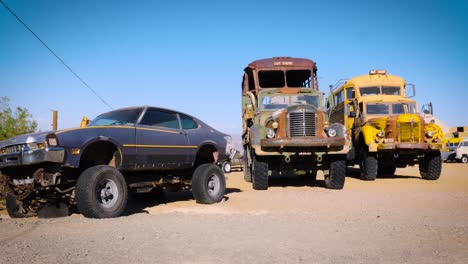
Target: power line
point(56, 56)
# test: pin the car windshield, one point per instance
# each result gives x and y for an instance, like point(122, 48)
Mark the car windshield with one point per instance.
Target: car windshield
point(275, 102)
point(390, 108)
point(378, 90)
point(119, 117)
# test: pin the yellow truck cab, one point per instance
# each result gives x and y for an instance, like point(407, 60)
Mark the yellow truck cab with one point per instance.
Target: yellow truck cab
point(386, 129)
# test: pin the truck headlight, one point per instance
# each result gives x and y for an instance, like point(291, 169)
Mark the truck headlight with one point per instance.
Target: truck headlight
point(381, 134)
point(430, 133)
point(270, 133)
point(331, 132)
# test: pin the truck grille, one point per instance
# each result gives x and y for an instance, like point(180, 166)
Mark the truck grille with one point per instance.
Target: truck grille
point(302, 124)
point(409, 131)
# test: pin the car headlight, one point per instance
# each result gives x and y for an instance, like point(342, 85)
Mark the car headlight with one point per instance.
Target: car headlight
point(331, 132)
point(270, 133)
point(52, 140)
point(381, 134)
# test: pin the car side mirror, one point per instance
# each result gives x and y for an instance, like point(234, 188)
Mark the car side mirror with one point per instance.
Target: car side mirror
point(352, 114)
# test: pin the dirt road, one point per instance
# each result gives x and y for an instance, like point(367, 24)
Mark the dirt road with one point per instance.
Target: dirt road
point(399, 220)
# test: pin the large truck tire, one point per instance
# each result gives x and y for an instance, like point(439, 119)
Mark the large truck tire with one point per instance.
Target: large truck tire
point(247, 169)
point(259, 173)
point(368, 165)
point(430, 166)
point(337, 175)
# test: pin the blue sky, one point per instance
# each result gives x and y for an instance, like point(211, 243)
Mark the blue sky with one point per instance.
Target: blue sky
point(189, 55)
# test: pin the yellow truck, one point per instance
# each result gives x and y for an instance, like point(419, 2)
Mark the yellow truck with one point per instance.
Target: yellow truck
point(386, 128)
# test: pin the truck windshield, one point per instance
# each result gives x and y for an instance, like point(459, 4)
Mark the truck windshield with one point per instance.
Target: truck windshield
point(390, 108)
point(378, 90)
point(279, 79)
point(275, 102)
point(119, 117)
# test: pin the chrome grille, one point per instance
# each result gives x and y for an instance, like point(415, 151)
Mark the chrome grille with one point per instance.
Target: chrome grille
point(409, 131)
point(302, 124)
point(12, 149)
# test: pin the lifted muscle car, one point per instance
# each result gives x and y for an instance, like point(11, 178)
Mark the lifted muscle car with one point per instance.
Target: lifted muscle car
point(131, 150)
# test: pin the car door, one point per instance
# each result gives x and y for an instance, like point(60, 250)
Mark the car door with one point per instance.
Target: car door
point(160, 141)
point(194, 133)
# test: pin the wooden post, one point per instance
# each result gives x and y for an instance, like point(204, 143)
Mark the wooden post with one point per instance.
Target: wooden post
point(54, 119)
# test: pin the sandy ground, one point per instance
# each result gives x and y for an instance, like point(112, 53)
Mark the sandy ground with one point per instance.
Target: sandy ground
point(394, 220)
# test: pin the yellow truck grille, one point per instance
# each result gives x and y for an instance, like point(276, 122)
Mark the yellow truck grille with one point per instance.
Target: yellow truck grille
point(409, 131)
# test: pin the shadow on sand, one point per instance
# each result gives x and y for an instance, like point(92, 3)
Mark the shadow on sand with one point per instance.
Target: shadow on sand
point(137, 205)
point(294, 181)
point(355, 173)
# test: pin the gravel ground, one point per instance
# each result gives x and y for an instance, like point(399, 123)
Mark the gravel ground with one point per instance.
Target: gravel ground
point(396, 220)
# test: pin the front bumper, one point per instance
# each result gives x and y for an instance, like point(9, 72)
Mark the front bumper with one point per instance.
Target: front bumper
point(406, 146)
point(303, 142)
point(33, 156)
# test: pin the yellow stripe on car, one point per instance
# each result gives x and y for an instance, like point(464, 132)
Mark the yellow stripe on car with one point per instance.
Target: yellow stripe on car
point(158, 146)
point(127, 127)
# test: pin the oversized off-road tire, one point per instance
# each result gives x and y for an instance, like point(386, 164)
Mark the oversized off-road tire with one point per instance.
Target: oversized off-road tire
point(101, 192)
point(337, 174)
point(208, 184)
point(259, 173)
point(386, 171)
point(227, 167)
point(16, 209)
point(368, 165)
point(430, 166)
point(247, 169)
point(464, 159)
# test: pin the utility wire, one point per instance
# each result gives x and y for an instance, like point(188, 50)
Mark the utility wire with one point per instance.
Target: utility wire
point(56, 56)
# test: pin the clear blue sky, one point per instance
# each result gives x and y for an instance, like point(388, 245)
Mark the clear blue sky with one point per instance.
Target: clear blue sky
point(189, 55)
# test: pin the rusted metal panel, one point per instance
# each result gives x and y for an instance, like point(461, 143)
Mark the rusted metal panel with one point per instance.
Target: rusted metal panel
point(303, 142)
point(282, 63)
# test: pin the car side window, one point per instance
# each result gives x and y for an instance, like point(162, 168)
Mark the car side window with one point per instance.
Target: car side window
point(160, 119)
point(188, 122)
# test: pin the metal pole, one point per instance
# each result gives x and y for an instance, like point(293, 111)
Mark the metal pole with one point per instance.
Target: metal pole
point(54, 119)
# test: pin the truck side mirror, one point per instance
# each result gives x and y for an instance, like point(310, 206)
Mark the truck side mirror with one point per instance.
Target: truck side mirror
point(410, 90)
point(351, 109)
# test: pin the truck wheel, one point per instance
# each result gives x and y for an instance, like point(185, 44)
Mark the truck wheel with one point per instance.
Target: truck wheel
point(336, 178)
point(16, 209)
point(430, 166)
point(208, 184)
point(259, 173)
point(247, 169)
point(101, 192)
point(227, 167)
point(464, 159)
point(368, 165)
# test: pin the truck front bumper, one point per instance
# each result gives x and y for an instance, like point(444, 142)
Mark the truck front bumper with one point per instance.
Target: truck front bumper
point(303, 142)
point(33, 156)
point(405, 146)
